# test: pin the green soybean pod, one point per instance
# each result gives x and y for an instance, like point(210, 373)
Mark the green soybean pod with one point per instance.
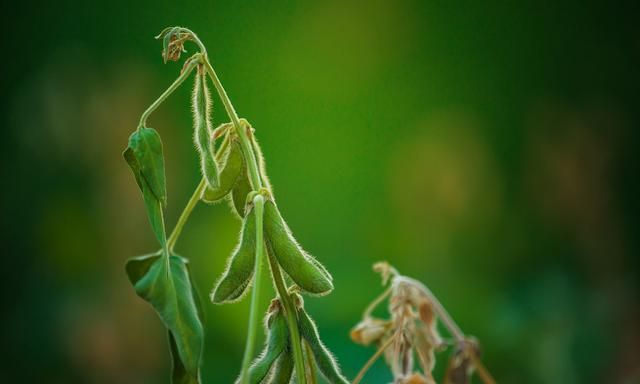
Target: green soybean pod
point(283, 369)
point(229, 175)
point(277, 341)
point(237, 276)
point(300, 266)
point(324, 360)
point(203, 133)
point(240, 191)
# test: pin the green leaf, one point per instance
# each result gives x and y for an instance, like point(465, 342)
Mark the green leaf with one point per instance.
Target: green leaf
point(179, 374)
point(301, 267)
point(276, 342)
point(169, 290)
point(145, 157)
point(203, 133)
point(324, 360)
point(150, 201)
point(237, 277)
point(231, 171)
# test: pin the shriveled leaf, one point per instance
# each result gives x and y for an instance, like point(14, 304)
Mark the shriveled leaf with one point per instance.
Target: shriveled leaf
point(460, 366)
point(324, 359)
point(370, 330)
point(300, 266)
point(231, 171)
point(146, 160)
point(236, 278)
point(169, 290)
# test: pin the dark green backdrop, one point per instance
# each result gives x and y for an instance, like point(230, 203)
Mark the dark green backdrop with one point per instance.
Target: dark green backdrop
point(486, 148)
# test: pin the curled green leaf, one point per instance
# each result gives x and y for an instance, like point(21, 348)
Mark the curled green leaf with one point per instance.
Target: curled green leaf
point(203, 133)
point(144, 156)
point(323, 358)
point(169, 290)
point(301, 267)
point(239, 272)
point(231, 171)
point(276, 343)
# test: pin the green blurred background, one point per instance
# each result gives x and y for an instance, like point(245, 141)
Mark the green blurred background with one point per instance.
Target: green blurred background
point(487, 148)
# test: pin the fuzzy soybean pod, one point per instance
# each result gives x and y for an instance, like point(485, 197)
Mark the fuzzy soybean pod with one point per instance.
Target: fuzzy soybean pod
point(323, 358)
point(283, 369)
point(277, 340)
point(229, 175)
point(301, 267)
point(237, 277)
point(238, 200)
point(203, 133)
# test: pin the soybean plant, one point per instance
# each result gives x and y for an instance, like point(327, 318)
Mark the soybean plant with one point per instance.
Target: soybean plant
point(412, 330)
point(233, 169)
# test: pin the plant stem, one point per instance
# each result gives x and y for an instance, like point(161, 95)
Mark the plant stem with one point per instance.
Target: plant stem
point(193, 201)
point(442, 313)
point(256, 184)
point(186, 71)
point(186, 212)
point(292, 318)
point(254, 317)
point(247, 148)
point(373, 358)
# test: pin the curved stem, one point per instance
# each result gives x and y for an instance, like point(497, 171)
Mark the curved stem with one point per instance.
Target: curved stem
point(373, 359)
point(254, 317)
point(186, 212)
point(193, 201)
point(440, 310)
point(292, 319)
point(183, 76)
point(376, 302)
point(247, 148)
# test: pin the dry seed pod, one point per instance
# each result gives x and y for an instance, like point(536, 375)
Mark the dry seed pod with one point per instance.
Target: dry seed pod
point(203, 133)
point(323, 358)
point(229, 175)
point(460, 367)
point(276, 343)
point(300, 266)
point(370, 330)
point(237, 276)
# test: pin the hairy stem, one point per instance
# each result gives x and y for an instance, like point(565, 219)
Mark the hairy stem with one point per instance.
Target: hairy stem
point(186, 71)
point(186, 212)
point(254, 315)
point(193, 201)
point(292, 318)
point(252, 164)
